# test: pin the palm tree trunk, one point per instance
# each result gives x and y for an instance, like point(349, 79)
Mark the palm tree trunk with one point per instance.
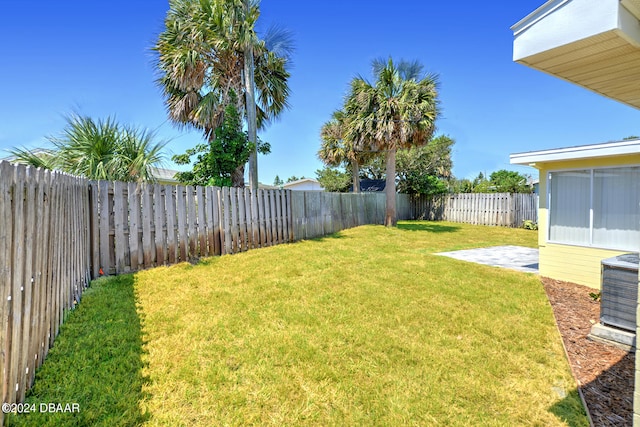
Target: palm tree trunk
point(252, 120)
point(355, 170)
point(237, 177)
point(390, 219)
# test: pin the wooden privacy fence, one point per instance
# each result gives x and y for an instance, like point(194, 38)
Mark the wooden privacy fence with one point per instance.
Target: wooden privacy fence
point(144, 225)
point(497, 209)
point(316, 213)
point(44, 266)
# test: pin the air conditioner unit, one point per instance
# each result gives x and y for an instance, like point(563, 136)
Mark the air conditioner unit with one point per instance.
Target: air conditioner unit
point(619, 298)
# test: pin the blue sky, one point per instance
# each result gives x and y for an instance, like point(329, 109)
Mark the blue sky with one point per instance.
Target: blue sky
point(94, 58)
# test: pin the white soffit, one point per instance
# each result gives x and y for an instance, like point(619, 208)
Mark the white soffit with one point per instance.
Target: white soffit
point(633, 6)
point(619, 148)
point(592, 43)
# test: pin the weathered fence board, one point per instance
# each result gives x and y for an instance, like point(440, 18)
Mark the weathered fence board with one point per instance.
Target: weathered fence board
point(133, 201)
point(202, 229)
point(6, 241)
point(159, 224)
point(170, 204)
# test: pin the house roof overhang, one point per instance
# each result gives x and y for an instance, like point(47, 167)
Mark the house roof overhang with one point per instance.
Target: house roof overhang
point(609, 149)
point(592, 43)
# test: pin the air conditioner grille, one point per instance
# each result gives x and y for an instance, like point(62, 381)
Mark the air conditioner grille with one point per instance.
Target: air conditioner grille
point(620, 291)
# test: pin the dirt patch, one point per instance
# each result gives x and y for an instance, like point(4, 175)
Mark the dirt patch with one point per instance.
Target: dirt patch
point(605, 373)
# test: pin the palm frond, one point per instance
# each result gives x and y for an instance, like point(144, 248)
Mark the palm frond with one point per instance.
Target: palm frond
point(279, 41)
point(105, 150)
point(201, 52)
point(44, 159)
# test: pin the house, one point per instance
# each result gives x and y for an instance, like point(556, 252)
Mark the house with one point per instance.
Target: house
point(304, 184)
point(589, 207)
point(594, 44)
point(164, 176)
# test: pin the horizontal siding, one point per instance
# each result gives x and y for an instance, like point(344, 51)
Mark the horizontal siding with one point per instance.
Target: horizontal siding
point(574, 264)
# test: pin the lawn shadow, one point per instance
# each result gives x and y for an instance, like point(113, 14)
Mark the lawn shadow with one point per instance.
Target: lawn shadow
point(96, 362)
point(609, 397)
point(431, 228)
point(569, 410)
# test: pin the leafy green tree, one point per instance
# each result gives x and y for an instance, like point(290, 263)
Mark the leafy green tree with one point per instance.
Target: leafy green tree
point(502, 181)
point(419, 183)
point(374, 168)
point(505, 181)
point(277, 181)
point(100, 149)
point(481, 184)
point(208, 51)
point(425, 169)
point(461, 185)
point(398, 111)
point(293, 178)
point(419, 170)
point(333, 179)
point(218, 162)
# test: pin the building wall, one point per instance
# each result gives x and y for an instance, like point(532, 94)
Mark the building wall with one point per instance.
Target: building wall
point(304, 186)
point(576, 264)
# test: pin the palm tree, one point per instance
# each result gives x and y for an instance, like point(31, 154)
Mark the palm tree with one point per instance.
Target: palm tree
point(208, 52)
point(41, 158)
point(137, 155)
point(99, 150)
point(398, 111)
point(337, 149)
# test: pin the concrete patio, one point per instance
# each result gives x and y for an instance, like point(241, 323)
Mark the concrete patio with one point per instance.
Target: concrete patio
point(513, 257)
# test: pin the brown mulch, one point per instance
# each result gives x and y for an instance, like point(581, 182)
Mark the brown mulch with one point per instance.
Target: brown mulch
point(605, 373)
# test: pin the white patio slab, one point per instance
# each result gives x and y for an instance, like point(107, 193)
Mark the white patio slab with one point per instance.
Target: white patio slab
point(513, 257)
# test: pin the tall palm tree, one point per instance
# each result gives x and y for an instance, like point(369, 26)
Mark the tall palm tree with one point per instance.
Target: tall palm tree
point(336, 149)
point(209, 51)
point(398, 111)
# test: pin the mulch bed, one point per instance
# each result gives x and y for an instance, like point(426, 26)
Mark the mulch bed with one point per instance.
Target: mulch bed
point(605, 373)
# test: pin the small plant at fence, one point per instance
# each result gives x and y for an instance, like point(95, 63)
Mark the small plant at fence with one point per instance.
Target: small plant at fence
point(596, 296)
point(528, 224)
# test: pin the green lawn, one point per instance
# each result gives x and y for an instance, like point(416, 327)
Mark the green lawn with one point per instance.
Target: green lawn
point(364, 327)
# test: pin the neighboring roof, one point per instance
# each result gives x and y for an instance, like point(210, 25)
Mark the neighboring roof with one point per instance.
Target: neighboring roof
point(301, 181)
point(592, 43)
point(262, 186)
point(164, 175)
point(372, 185)
point(607, 149)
